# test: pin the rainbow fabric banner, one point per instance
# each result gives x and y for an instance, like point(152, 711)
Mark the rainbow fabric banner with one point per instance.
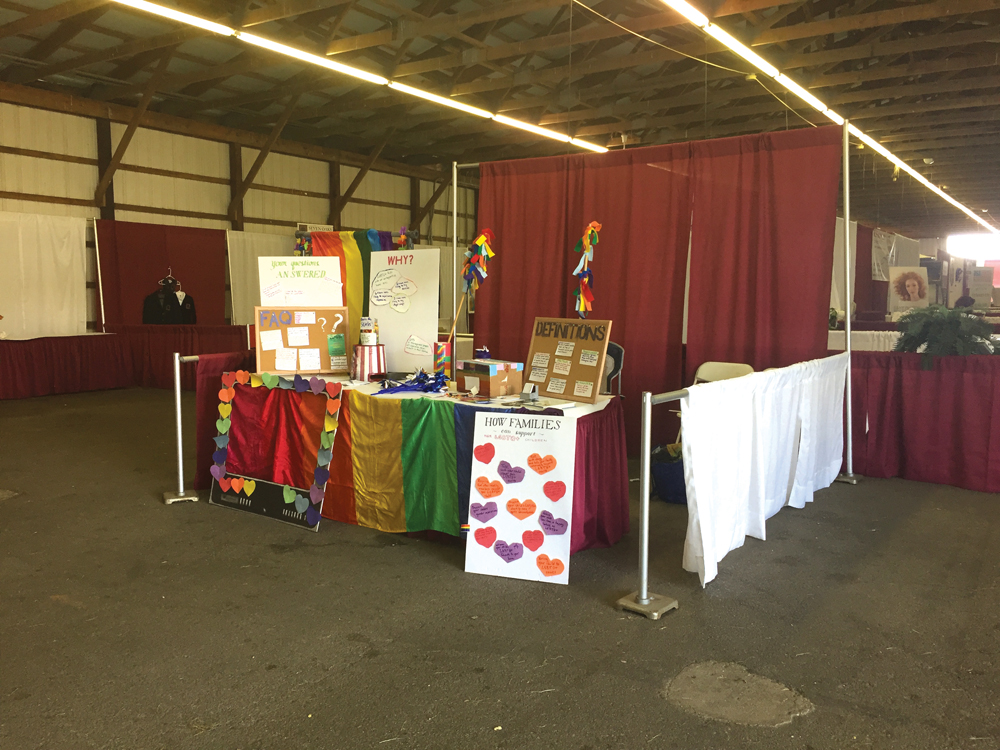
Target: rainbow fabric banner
point(355, 252)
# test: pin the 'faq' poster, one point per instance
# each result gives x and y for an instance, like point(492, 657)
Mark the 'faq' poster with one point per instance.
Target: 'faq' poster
point(521, 497)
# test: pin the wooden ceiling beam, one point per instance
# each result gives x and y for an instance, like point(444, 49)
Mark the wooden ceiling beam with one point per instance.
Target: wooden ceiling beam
point(65, 33)
point(288, 9)
point(54, 14)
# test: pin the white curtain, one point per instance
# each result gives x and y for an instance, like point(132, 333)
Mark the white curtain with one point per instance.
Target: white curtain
point(244, 249)
point(837, 291)
point(43, 275)
point(881, 253)
point(753, 445)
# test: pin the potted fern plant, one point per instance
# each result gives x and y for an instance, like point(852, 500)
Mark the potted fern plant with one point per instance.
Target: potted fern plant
point(936, 331)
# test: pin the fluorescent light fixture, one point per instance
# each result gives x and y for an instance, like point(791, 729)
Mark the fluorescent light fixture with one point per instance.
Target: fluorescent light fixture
point(834, 116)
point(591, 146)
point(323, 62)
point(532, 128)
point(800, 92)
point(742, 50)
point(687, 10)
point(981, 246)
point(176, 15)
point(444, 101)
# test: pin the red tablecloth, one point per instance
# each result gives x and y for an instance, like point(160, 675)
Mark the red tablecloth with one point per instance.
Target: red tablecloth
point(64, 364)
point(940, 425)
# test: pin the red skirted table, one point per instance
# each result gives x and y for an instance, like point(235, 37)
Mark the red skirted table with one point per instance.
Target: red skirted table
point(64, 364)
point(404, 464)
point(940, 425)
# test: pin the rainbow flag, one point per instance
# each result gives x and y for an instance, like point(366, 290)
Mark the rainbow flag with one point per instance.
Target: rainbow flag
point(355, 252)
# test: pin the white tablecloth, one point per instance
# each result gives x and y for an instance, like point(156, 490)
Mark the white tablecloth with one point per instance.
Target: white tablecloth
point(862, 341)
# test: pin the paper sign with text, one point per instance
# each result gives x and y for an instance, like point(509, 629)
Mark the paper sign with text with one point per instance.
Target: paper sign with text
point(302, 281)
point(403, 296)
point(521, 497)
point(567, 357)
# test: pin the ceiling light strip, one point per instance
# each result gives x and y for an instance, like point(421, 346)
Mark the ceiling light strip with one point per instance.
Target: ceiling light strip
point(696, 17)
point(350, 70)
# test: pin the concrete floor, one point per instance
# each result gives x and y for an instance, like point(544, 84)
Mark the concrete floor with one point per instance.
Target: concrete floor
point(125, 623)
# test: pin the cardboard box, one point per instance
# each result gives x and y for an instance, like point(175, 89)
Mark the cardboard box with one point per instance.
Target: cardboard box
point(493, 377)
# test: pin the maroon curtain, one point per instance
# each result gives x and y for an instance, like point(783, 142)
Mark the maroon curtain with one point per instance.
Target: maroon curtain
point(64, 364)
point(292, 423)
point(863, 270)
point(762, 239)
point(209, 370)
point(538, 209)
point(134, 257)
point(940, 425)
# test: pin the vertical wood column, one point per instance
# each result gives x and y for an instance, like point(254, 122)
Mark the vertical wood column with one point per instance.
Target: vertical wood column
point(104, 154)
point(235, 183)
point(334, 218)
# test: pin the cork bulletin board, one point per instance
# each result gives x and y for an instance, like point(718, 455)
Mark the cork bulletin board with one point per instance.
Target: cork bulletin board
point(566, 359)
point(302, 339)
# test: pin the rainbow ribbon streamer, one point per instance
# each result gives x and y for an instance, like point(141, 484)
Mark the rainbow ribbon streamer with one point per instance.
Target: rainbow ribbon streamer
point(474, 270)
point(585, 245)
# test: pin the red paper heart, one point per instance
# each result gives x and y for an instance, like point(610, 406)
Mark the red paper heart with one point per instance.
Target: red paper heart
point(226, 394)
point(333, 389)
point(332, 405)
point(228, 378)
point(486, 536)
point(549, 567)
point(533, 539)
point(554, 490)
point(521, 510)
point(224, 484)
point(237, 484)
point(484, 452)
point(242, 377)
point(487, 488)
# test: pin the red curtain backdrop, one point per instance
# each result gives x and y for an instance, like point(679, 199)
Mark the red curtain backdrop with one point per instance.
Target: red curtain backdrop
point(863, 289)
point(940, 425)
point(765, 242)
point(134, 257)
point(761, 247)
point(64, 364)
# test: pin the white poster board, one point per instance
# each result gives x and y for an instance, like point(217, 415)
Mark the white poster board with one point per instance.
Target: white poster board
point(981, 287)
point(908, 288)
point(300, 281)
point(521, 497)
point(403, 298)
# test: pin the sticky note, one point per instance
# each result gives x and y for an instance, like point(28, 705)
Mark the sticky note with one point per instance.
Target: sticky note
point(562, 366)
point(541, 359)
point(557, 385)
point(538, 374)
point(286, 360)
point(565, 349)
point(583, 388)
point(271, 340)
point(309, 359)
point(298, 336)
point(589, 358)
point(302, 317)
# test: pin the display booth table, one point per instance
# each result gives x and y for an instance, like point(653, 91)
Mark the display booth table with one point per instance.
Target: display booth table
point(940, 425)
point(402, 462)
point(64, 364)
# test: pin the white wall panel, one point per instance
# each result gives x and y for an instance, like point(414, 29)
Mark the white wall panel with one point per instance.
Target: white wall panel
point(264, 204)
point(179, 153)
point(281, 170)
point(41, 130)
point(138, 189)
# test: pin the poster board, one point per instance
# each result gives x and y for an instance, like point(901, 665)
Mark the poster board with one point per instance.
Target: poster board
point(981, 287)
point(302, 281)
point(566, 358)
point(285, 334)
point(908, 288)
point(403, 297)
point(521, 497)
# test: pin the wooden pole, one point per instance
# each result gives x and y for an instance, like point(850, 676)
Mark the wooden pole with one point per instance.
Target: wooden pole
point(455, 322)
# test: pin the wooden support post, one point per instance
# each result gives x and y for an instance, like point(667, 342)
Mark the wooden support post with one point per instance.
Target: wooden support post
point(429, 206)
point(147, 97)
point(334, 219)
point(103, 161)
point(356, 182)
point(235, 182)
point(262, 155)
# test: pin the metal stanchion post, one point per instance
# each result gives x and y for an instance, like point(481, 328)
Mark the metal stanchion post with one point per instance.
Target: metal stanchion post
point(849, 477)
point(642, 601)
point(180, 495)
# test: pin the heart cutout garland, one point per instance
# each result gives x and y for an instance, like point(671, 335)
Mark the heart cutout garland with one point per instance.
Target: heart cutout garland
point(218, 471)
point(312, 515)
point(221, 441)
point(269, 380)
point(220, 456)
point(533, 539)
point(224, 484)
point(238, 483)
point(242, 377)
point(510, 474)
point(332, 406)
point(256, 381)
point(300, 384)
point(484, 453)
point(486, 536)
point(288, 494)
point(549, 566)
point(326, 439)
point(333, 389)
point(301, 503)
point(554, 490)
point(316, 495)
point(316, 385)
point(508, 552)
point(488, 489)
point(285, 384)
point(226, 394)
point(228, 379)
point(323, 457)
point(483, 513)
point(223, 425)
point(321, 475)
point(225, 410)
point(521, 510)
point(330, 423)
point(541, 465)
point(249, 486)
point(551, 525)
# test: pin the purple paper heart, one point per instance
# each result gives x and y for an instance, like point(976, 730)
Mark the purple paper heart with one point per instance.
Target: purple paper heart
point(218, 471)
point(301, 384)
point(220, 456)
point(321, 476)
point(316, 385)
point(510, 474)
point(316, 495)
point(483, 513)
point(508, 552)
point(551, 525)
point(312, 515)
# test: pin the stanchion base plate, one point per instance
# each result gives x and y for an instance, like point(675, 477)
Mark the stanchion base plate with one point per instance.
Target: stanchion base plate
point(180, 497)
point(657, 607)
point(847, 479)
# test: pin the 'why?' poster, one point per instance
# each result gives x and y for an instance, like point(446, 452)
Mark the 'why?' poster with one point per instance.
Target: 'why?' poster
point(521, 497)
